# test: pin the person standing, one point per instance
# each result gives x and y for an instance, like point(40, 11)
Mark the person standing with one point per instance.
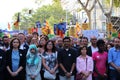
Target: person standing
point(114, 60)
point(2, 64)
point(33, 63)
point(49, 59)
point(67, 60)
point(87, 62)
point(100, 61)
point(15, 61)
point(93, 47)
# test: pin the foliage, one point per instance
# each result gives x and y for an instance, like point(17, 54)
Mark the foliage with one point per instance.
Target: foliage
point(116, 3)
point(52, 13)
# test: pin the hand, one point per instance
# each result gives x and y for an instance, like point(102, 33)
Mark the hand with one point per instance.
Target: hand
point(52, 71)
point(84, 77)
point(32, 76)
point(118, 69)
point(13, 74)
point(68, 74)
point(87, 74)
point(105, 75)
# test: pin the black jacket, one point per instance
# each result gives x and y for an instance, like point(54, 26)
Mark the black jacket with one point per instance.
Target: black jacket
point(2, 64)
point(21, 75)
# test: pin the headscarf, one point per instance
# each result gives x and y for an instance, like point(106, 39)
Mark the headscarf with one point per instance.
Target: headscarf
point(32, 58)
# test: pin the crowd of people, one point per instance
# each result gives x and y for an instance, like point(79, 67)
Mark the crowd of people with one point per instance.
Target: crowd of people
point(36, 57)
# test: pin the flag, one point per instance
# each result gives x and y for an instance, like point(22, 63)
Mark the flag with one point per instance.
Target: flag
point(60, 29)
point(38, 24)
point(8, 26)
point(77, 29)
point(55, 29)
point(16, 23)
point(85, 21)
point(47, 28)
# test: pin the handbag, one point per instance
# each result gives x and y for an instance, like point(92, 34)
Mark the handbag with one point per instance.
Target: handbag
point(79, 76)
point(48, 75)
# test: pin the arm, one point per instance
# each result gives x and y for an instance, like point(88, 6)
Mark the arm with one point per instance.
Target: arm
point(62, 67)
point(39, 67)
point(44, 64)
point(3, 63)
point(19, 69)
point(90, 67)
point(60, 62)
point(96, 68)
point(8, 68)
point(73, 67)
point(56, 66)
point(28, 70)
point(78, 65)
point(110, 59)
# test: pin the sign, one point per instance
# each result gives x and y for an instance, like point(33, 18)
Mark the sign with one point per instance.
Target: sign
point(89, 33)
point(109, 26)
point(38, 24)
point(85, 26)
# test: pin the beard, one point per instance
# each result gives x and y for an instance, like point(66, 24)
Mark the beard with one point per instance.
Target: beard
point(117, 46)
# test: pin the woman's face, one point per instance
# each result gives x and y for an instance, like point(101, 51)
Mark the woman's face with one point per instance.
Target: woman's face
point(108, 46)
point(49, 46)
point(42, 41)
point(15, 43)
point(101, 47)
point(83, 51)
point(32, 50)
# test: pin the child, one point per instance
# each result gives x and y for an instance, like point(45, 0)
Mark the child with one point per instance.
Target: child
point(33, 64)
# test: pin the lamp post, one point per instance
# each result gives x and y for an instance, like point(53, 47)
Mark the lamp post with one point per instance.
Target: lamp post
point(66, 18)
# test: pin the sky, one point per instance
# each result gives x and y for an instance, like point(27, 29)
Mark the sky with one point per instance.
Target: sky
point(9, 7)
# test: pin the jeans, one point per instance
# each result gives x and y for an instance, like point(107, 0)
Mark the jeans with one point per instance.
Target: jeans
point(114, 75)
point(65, 78)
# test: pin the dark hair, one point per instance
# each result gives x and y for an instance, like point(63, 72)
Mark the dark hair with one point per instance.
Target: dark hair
point(66, 38)
point(83, 47)
point(53, 49)
point(35, 33)
point(11, 43)
point(100, 42)
point(85, 38)
point(44, 38)
point(21, 34)
point(39, 46)
point(4, 37)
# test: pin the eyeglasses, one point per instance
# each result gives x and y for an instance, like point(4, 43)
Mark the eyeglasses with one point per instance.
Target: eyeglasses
point(15, 42)
point(93, 39)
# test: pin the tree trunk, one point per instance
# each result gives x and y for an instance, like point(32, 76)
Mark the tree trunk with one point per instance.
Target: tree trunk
point(89, 18)
point(108, 16)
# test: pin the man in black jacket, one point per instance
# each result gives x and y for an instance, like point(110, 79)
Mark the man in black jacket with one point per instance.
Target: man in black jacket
point(2, 64)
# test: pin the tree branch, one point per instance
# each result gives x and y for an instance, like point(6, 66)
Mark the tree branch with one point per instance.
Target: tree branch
point(87, 3)
point(101, 6)
point(111, 6)
point(94, 3)
point(82, 5)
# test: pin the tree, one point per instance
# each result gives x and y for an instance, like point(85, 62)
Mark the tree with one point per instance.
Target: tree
point(116, 3)
point(88, 11)
point(107, 13)
point(52, 13)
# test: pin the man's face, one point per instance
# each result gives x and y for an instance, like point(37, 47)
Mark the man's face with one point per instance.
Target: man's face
point(6, 40)
point(21, 37)
point(93, 40)
point(59, 42)
point(66, 43)
point(85, 42)
point(117, 42)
